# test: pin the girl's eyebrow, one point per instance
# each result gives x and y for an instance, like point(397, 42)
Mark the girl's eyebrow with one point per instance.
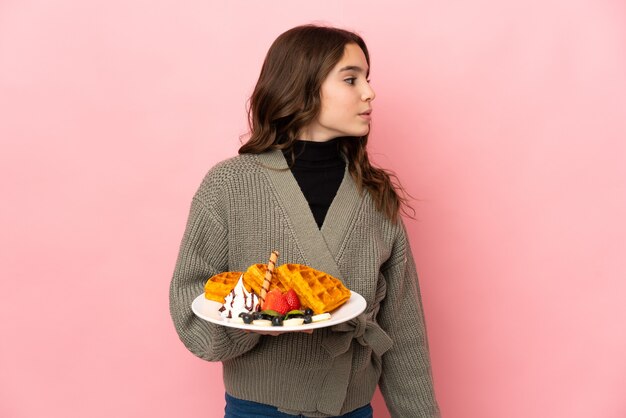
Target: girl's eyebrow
point(352, 68)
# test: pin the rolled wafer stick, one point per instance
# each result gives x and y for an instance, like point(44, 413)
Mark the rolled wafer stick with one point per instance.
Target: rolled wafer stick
point(268, 276)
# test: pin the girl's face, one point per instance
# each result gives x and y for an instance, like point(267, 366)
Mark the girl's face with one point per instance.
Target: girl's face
point(346, 98)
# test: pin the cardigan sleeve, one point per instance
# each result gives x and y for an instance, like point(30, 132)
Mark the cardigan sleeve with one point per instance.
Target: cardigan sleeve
point(406, 381)
point(203, 253)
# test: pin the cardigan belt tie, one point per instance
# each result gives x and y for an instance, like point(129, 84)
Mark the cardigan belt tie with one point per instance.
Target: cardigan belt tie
point(364, 330)
point(337, 343)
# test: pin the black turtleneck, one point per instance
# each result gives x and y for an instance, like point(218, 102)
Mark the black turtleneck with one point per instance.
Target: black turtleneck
point(319, 170)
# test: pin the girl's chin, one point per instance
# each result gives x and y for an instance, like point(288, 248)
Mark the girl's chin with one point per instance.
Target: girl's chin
point(362, 131)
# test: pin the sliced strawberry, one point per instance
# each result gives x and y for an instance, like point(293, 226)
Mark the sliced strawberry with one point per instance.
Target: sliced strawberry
point(269, 298)
point(292, 299)
point(275, 301)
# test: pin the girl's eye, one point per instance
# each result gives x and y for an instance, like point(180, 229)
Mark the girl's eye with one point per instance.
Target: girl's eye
point(350, 80)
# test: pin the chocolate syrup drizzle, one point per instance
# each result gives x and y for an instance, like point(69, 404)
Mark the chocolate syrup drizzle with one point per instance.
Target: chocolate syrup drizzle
point(248, 303)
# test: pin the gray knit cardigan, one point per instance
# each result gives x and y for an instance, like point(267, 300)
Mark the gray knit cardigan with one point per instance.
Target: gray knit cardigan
point(251, 204)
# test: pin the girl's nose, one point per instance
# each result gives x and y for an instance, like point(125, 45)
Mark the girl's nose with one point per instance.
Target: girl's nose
point(368, 93)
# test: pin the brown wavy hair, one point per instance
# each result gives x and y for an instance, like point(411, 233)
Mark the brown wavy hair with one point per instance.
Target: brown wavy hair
point(287, 98)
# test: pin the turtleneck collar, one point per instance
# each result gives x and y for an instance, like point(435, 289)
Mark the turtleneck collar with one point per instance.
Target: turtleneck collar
point(317, 152)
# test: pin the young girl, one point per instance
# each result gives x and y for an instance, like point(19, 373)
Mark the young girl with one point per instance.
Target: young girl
point(303, 185)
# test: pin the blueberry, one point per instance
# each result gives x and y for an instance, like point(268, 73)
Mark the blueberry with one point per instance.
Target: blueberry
point(247, 318)
point(257, 315)
point(241, 314)
point(308, 311)
point(277, 321)
point(308, 319)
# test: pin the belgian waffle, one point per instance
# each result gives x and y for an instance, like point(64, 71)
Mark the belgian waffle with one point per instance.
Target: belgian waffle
point(254, 276)
point(220, 285)
point(317, 290)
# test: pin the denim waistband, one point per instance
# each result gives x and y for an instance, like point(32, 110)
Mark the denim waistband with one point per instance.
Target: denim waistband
point(240, 408)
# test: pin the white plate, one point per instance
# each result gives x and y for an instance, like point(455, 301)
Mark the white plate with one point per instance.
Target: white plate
point(209, 311)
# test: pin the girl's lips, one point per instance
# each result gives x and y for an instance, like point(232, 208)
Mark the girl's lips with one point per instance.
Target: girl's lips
point(367, 115)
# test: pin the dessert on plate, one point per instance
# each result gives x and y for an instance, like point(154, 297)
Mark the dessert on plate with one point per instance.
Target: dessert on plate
point(291, 294)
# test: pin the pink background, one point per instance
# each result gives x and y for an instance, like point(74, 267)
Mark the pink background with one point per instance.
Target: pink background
point(507, 120)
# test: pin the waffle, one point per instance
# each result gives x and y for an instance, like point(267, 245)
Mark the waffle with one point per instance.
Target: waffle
point(317, 290)
point(220, 285)
point(254, 276)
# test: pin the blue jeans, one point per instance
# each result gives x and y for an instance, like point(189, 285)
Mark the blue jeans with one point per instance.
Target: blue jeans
point(239, 408)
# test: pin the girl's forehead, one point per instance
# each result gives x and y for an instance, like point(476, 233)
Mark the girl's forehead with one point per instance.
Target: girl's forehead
point(353, 59)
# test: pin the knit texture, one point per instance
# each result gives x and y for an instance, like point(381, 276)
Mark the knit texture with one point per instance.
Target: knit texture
point(252, 204)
